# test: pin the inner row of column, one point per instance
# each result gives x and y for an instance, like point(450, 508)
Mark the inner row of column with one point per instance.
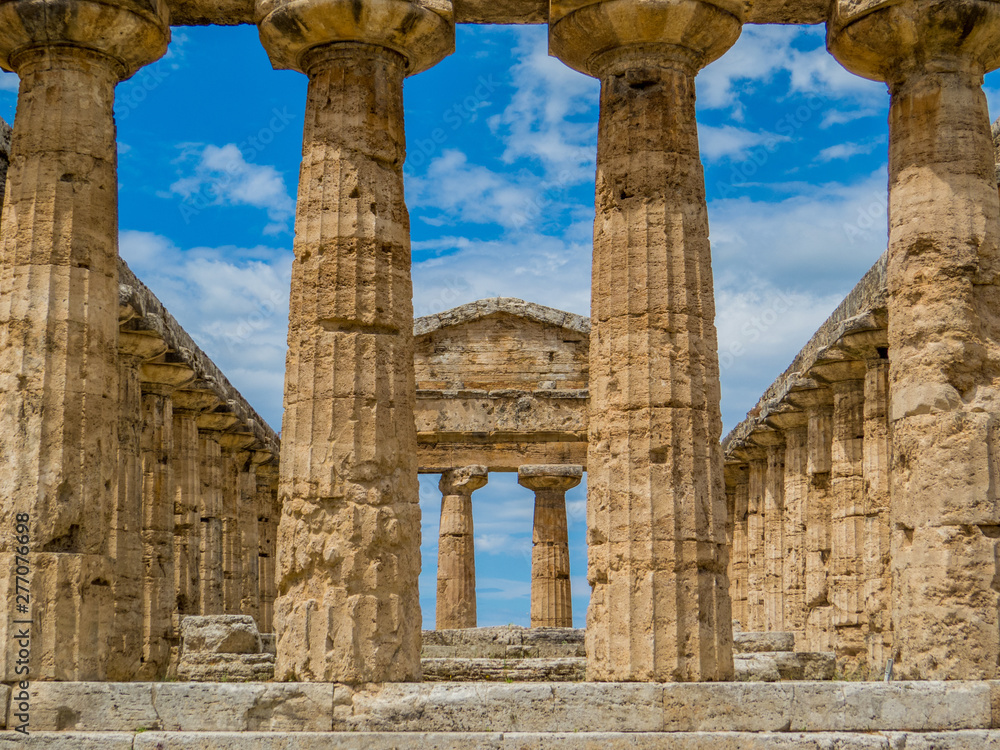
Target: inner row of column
point(551, 594)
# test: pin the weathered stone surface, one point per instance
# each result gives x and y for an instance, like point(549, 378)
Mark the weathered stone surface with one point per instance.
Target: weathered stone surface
point(506, 642)
point(68, 740)
point(783, 665)
point(226, 667)
point(749, 643)
point(281, 707)
point(221, 634)
point(91, 707)
point(506, 670)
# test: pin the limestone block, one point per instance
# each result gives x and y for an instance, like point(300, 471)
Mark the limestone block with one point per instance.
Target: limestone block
point(68, 740)
point(782, 665)
point(221, 634)
point(748, 643)
point(226, 667)
point(510, 707)
point(92, 707)
point(827, 706)
point(509, 641)
point(507, 670)
point(313, 741)
point(282, 707)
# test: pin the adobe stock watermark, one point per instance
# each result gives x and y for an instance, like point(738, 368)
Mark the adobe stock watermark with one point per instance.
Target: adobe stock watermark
point(456, 116)
point(872, 218)
point(754, 329)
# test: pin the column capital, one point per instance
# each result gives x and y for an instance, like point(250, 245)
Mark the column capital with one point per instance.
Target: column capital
point(605, 37)
point(540, 477)
point(463, 481)
point(889, 40)
point(132, 33)
point(165, 378)
point(422, 31)
point(140, 347)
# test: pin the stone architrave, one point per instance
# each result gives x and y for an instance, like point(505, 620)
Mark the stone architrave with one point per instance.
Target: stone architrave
point(551, 593)
point(658, 559)
point(348, 607)
point(944, 322)
point(59, 319)
point(456, 578)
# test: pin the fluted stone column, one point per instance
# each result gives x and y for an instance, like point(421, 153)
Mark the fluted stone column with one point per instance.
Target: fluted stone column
point(210, 473)
point(756, 491)
point(878, 532)
point(551, 593)
point(818, 404)
point(944, 326)
point(186, 461)
point(660, 607)
point(348, 608)
point(794, 425)
point(59, 318)
point(738, 485)
point(774, 529)
point(456, 579)
point(267, 493)
point(159, 381)
point(125, 534)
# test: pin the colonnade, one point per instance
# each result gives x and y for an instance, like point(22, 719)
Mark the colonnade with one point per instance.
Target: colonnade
point(346, 606)
point(551, 595)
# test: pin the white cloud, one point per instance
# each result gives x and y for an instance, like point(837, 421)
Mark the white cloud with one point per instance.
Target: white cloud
point(843, 151)
point(551, 116)
point(221, 176)
point(730, 142)
point(232, 301)
point(551, 271)
point(9, 82)
point(765, 52)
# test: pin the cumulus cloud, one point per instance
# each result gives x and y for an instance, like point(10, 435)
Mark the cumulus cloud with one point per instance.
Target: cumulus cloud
point(844, 151)
point(550, 117)
point(221, 176)
point(764, 53)
point(9, 81)
point(731, 142)
point(232, 301)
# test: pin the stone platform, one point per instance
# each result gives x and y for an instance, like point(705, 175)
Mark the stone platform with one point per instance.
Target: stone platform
point(492, 716)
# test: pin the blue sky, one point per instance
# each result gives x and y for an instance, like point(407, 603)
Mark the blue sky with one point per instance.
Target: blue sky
point(500, 181)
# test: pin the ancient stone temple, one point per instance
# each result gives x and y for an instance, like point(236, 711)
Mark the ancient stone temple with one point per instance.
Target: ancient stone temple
point(849, 527)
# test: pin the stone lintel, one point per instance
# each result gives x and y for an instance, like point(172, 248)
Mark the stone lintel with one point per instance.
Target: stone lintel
point(236, 12)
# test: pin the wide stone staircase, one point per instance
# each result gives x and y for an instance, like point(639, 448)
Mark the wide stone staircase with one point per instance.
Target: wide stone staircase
point(515, 654)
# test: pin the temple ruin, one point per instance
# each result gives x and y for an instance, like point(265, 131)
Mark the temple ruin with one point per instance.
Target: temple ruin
point(848, 528)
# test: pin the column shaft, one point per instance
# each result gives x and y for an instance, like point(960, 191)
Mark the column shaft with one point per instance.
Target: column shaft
point(58, 355)
point(456, 580)
point(211, 475)
point(819, 617)
point(656, 506)
point(158, 591)
point(796, 508)
point(848, 524)
point(739, 554)
point(756, 620)
point(878, 532)
point(187, 512)
point(349, 541)
point(774, 539)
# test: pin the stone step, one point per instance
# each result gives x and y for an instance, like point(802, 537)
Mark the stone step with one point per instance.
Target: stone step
point(511, 707)
point(504, 670)
point(783, 665)
point(507, 642)
point(959, 740)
